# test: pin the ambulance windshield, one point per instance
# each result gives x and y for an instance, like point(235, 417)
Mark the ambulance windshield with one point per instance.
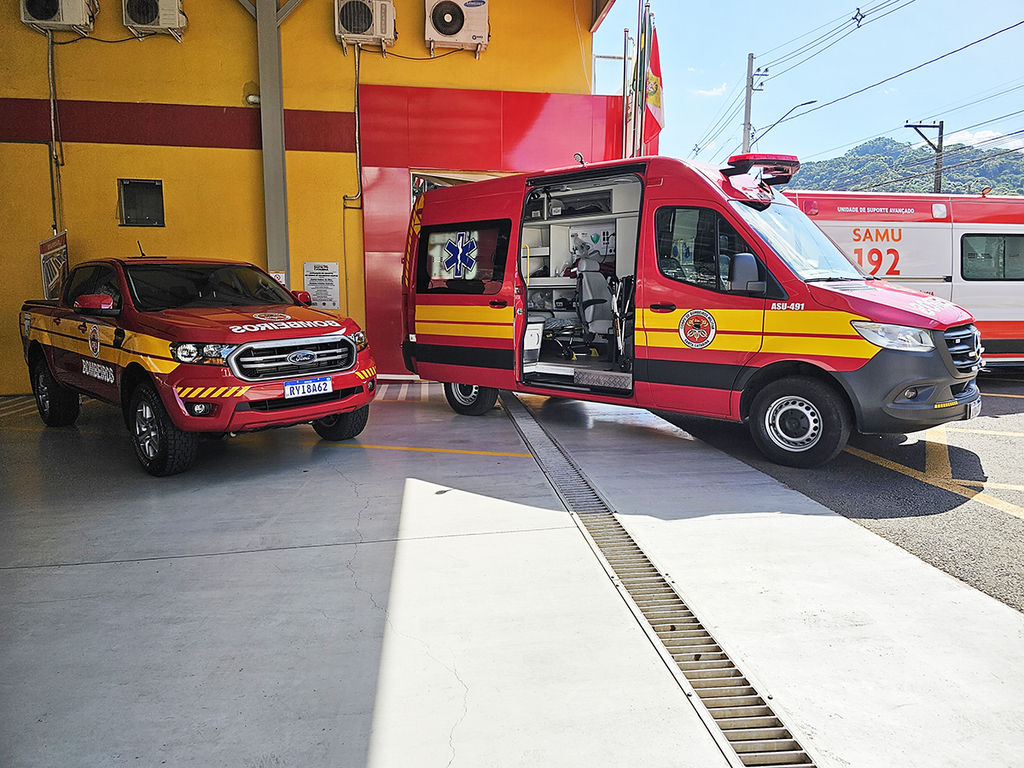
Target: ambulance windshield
point(804, 247)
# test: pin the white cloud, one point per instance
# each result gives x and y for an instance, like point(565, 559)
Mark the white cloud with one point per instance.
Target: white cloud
point(713, 91)
point(990, 139)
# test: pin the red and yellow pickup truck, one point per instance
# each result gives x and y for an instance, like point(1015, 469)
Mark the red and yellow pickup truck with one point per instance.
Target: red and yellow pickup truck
point(185, 348)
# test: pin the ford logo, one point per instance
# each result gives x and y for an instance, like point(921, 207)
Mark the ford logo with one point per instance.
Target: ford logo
point(301, 357)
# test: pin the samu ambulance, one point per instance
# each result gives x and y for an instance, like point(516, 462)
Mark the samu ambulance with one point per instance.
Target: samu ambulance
point(678, 286)
point(968, 249)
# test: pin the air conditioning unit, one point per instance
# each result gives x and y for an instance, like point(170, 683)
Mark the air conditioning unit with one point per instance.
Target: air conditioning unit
point(364, 21)
point(66, 15)
point(460, 24)
point(145, 17)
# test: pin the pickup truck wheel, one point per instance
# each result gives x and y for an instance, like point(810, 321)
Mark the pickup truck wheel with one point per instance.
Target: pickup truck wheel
point(342, 426)
point(799, 421)
point(469, 399)
point(162, 448)
point(57, 405)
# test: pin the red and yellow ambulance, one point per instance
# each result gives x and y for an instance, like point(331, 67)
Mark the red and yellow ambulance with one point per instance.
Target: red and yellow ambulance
point(680, 286)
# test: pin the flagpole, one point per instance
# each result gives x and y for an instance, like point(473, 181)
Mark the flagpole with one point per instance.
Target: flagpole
point(644, 59)
point(625, 91)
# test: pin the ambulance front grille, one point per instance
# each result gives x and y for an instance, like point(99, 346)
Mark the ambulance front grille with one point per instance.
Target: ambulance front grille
point(964, 345)
point(267, 360)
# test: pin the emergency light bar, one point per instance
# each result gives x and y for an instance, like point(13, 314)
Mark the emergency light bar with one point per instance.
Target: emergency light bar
point(778, 169)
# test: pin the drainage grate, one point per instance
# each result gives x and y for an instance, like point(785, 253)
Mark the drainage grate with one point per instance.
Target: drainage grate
point(753, 732)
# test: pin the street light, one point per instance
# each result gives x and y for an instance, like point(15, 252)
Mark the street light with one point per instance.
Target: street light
point(805, 104)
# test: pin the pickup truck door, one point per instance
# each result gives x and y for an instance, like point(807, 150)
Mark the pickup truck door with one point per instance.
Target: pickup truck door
point(88, 360)
point(692, 337)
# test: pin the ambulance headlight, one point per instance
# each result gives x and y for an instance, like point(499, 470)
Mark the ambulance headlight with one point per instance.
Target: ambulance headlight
point(211, 354)
point(900, 337)
point(359, 339)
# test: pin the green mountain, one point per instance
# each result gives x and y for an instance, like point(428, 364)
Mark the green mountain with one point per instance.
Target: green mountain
point(887, 165)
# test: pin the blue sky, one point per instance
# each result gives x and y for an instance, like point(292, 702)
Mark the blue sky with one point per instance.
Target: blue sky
point(704, 49)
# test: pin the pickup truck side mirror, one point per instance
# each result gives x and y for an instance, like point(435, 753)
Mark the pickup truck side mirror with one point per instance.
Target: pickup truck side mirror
point(745, 276)
point(96, 304)
point(303, 297)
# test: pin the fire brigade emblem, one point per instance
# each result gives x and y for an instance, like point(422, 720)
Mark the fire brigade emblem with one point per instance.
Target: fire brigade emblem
point(697, 329)
point(272, 316)
point(94, 340)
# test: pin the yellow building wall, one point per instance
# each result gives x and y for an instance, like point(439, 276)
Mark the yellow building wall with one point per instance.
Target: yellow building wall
point(213, 198)
point(24, 222)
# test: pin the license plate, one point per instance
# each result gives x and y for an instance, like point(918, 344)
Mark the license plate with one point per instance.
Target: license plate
point(306, 387)
point(973, 409)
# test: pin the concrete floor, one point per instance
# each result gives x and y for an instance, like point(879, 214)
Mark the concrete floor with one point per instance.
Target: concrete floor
point(420, 597)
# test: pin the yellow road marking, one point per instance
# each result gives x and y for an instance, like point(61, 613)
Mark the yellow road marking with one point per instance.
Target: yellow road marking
point(953, 486)
point(987, 484)
point(987, 432)
point(996, 394)
point(347, 445)
point(424, 450)
point(936, 453)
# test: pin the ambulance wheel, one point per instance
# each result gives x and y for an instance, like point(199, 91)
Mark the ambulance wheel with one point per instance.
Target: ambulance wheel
point(799, 422)
point(342, 426)
point(57, 406)
point(161, 448)
point(469, 399)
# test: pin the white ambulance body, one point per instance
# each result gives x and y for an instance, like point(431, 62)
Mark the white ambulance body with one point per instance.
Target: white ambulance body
point(968, 249)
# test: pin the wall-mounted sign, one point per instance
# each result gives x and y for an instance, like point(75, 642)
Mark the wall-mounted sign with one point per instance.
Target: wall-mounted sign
point(53, 258)
point(322, 281)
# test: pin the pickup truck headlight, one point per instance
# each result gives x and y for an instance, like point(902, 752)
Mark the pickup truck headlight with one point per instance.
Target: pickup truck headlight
point(210, 354)
point(359, 339)
point(901, 337)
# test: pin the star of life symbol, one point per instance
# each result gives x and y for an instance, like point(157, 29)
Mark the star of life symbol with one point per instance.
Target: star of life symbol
point(460, 257)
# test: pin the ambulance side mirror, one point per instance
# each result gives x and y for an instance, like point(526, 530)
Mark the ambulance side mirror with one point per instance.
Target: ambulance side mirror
point(744, 275)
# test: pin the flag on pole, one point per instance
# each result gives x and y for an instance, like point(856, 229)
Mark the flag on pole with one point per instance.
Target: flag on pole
point(654, 112)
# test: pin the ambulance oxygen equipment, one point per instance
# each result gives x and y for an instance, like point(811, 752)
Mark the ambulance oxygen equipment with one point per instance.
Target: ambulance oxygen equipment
point(724, 299)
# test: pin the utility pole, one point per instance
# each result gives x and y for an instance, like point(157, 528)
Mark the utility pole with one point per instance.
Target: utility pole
point(748, 129)
point(937, 147)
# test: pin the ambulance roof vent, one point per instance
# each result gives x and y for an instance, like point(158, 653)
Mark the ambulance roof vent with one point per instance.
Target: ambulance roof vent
point(364, 22)
point(451, 24)
point(148, 17)
point(61, 15)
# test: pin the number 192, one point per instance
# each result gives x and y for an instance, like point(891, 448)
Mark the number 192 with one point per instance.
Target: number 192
point(875, 260)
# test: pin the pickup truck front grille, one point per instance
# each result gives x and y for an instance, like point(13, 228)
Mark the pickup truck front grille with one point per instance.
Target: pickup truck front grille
point(964, 345)
point(289, 358)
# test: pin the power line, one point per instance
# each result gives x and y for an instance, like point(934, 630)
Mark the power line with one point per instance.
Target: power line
point(929, 173)
point(949, 108)
point(905, 72)
point(727, 113)
point(838, 40)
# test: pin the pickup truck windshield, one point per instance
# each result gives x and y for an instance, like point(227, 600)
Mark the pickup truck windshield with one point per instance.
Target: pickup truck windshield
point(804, 247)
point(155, 286)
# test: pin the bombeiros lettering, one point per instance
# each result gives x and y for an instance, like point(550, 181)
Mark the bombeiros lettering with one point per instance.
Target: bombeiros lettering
point(97, 371)
point(294, 324)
